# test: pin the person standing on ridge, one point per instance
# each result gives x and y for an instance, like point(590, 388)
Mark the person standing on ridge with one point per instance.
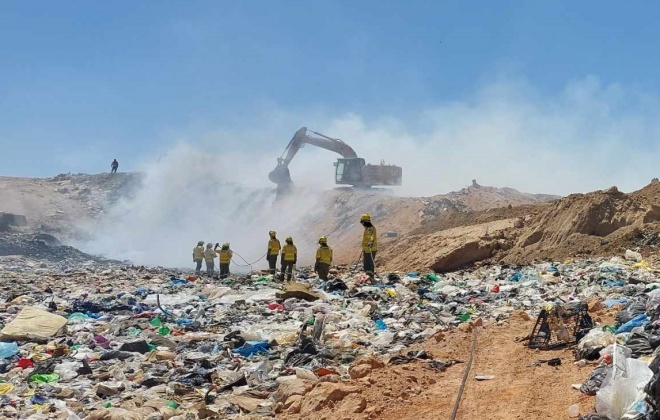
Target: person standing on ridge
point(274, 248)
point(209, 257)
point(289, 259)
point(323, 259)
point(114, 165)
point(198, 256)
point(369, 245)
point(225, 255)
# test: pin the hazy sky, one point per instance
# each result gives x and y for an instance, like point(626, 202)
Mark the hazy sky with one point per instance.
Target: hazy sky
point(545, 96)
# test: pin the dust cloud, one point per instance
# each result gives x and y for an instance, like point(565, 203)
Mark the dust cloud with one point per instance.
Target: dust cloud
point(192, 195)
point(588, 136)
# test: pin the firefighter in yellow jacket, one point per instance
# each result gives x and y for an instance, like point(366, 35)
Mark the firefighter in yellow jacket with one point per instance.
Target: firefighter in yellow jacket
point(274, 248)
point(323, 259)
point(225, 255)
point(209, 258)
point(198, 256)
point(289, 258)
point(369, 245)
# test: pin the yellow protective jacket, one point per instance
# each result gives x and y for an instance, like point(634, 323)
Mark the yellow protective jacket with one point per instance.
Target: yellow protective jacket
point(324, 255)
point(198, 253)
point(225, 255)
point(274, 247)
point(209, 255)
point(289, 253)
point(369, 236)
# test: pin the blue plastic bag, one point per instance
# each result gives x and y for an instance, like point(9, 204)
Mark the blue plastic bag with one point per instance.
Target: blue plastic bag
point(380, 325)
point(516, 277)
point(613, 283)
point(638, 321)
point(612, 302)
point(8, 350)
point(252, 347)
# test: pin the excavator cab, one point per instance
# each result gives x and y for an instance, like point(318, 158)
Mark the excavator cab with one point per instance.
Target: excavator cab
point(348, 171)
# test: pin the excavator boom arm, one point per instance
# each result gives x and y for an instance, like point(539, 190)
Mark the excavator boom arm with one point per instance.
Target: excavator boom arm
point(280, 175)
point(324, 142)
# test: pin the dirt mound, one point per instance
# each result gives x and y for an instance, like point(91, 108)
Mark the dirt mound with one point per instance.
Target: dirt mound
point(398, 218)
point(588, 224)
point(478, 197)
point(448, 250)
point(595, 224)
point(454, 218)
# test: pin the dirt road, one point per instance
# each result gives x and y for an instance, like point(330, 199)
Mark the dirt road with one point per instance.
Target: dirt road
point(518, 389)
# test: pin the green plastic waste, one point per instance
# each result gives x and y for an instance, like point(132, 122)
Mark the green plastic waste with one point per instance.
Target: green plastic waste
point(133, 331)
point(163, 330)
point(262, 279)
point(464, 317)
point(107, 404)
point(609, 328)
point(44, 378)
point(172, 404)
point(156, 322)
point(152, 347)
point(433, 277)
point(77, 316)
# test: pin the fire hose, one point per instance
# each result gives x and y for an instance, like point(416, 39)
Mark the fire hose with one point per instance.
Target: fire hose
point(466, 372)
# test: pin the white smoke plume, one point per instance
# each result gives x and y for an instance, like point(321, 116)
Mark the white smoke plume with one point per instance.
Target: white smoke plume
point(192, 195)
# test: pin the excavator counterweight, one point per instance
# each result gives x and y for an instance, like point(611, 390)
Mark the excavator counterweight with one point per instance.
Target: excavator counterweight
point(349, 169)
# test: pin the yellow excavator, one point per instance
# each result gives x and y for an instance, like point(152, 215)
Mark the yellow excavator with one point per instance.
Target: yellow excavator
point(349, 169)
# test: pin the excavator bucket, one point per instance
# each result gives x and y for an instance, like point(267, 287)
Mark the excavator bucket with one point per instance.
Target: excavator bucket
point(280, 175)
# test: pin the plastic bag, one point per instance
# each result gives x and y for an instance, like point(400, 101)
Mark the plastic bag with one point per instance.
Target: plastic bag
point(633, 256)
point(593, 342)
point(634, 309)
point(594, 416)
point(638, 321)
point(383, 339)
point(67, 370)
point(623, 387)
point(652, 390)
point(252, 347)
point(8, 350)
point(44, 378)
point(640, 344)
point(653, 301)
point(595, 380)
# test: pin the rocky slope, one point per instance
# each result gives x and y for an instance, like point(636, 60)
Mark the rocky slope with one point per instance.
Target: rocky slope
point(594, 224)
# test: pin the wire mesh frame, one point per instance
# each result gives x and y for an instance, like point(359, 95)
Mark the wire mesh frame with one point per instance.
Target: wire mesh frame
point(574, 317)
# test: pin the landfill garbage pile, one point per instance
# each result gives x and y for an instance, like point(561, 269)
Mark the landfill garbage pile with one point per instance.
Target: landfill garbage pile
point(626, 380)
point(43, 247)
point(97, 192)
point(105, 341)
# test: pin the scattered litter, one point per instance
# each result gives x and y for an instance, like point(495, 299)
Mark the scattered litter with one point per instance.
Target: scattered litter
point(120, 338)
